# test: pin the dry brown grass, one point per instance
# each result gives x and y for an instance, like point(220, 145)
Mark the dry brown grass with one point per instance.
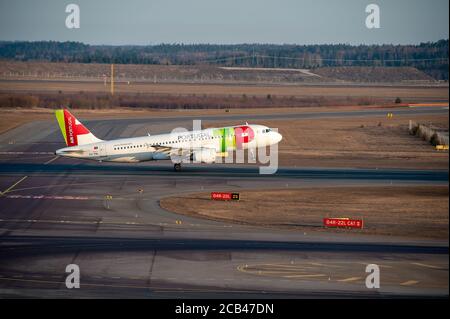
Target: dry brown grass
point(102, 100)
point(374, 74)
point(419, 93)
point(432, 134)
point(413, 211)
point(207, 73)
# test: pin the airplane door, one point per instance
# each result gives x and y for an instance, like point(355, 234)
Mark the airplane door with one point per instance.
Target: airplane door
point(102, 149)
point(99, 150)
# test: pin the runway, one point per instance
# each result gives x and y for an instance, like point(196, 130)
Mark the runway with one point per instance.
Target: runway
point(54, 212)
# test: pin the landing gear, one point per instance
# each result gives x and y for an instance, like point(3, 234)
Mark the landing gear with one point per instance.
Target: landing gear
point(177, 167)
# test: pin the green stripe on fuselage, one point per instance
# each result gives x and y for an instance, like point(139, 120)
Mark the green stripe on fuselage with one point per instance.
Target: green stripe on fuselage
point(227, 138)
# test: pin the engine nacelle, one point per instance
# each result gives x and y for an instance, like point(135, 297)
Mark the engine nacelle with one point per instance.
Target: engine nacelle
point(205, 155)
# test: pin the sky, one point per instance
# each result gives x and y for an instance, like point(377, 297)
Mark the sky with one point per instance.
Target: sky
point(143, 22)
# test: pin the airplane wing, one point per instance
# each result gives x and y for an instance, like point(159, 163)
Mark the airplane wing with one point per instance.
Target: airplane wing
point(177, 152)
point(172, 151)
point(162, 149)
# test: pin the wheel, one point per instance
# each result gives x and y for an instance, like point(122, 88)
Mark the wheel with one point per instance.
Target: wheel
point(177, 167)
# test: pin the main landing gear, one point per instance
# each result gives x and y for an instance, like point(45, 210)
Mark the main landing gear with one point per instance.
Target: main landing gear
point(177, 167)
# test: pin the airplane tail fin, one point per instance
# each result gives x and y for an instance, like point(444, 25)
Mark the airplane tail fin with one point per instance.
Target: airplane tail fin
point(73, 131)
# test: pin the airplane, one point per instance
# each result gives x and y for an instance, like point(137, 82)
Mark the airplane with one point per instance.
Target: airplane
point(201, 146)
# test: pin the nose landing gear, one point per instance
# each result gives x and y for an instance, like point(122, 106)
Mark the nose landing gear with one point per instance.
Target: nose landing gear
point(177, 167)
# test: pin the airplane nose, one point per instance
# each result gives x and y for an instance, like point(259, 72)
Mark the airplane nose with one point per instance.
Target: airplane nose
point(278, 137)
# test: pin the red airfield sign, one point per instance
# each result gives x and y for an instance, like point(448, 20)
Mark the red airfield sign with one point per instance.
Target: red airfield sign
point(224, 196)
point(343, 222)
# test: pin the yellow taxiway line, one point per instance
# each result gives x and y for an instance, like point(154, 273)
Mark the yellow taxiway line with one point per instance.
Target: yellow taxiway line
point(12, 186)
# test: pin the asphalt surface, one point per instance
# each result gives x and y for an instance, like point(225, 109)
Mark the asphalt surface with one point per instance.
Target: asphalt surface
point(53, 212)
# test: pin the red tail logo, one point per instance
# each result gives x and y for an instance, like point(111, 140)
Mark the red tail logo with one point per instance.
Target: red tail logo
point(73, 129)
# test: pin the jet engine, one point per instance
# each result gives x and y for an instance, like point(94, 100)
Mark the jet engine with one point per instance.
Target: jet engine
point(205, 155)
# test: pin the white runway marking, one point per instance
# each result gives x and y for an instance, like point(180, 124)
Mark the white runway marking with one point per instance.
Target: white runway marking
point(409, 283)
point(27, 153)
point(349, 279)
point(48, 197)
point(426, 265)
point(305, 276)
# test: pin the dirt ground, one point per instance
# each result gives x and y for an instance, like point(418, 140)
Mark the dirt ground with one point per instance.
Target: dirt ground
point(414, 93)
point(410, 211)
point(372, 142)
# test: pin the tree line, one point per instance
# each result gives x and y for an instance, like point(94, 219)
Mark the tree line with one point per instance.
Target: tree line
point(430, 57)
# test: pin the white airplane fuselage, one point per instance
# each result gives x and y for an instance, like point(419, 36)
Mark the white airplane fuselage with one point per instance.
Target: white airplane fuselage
point(208, 143)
